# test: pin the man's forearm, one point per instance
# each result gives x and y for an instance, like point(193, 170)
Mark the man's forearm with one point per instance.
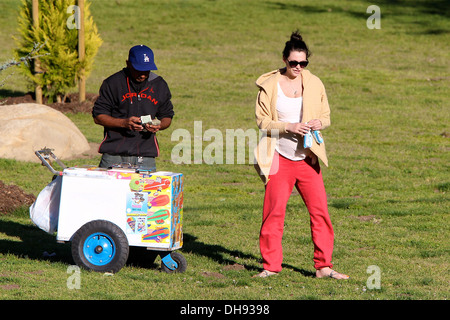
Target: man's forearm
point(132, 123)
point(165, 123)
point(110, 122)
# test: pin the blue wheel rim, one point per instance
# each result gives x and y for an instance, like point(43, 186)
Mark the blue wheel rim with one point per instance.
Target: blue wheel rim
point(99, 249)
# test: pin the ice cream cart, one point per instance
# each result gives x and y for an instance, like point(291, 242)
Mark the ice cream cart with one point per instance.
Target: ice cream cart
point(103, 212)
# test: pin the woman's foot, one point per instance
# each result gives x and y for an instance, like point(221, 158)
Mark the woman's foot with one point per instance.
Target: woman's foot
point(265, 274)
point(328, 272)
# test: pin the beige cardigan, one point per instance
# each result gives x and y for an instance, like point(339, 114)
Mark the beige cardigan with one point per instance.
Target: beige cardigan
point(315, 106)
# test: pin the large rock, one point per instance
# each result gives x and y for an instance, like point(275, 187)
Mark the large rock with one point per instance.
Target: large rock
point(27, 127)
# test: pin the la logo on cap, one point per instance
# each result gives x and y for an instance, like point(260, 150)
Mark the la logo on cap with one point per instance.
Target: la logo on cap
point(141, 58)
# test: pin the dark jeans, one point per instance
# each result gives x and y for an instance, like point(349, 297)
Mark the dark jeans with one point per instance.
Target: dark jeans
point(108, 160)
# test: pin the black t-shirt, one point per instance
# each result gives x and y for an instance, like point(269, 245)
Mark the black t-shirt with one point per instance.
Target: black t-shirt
point(120, 97)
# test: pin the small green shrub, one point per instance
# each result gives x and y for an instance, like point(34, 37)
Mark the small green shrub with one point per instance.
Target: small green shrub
point(61, 67)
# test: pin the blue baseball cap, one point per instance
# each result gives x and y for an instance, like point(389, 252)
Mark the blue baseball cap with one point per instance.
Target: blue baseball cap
point(141, 58)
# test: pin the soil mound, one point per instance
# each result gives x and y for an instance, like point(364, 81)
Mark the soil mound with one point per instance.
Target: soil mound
point(13, 197)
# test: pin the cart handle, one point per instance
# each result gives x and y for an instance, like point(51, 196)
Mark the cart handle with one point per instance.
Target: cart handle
point(44, 155)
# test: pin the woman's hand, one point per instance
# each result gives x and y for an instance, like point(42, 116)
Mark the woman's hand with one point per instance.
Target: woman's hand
point(298, 128)
point(315, 124)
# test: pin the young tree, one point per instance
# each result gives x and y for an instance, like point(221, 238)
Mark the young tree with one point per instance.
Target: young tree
point(61, 68)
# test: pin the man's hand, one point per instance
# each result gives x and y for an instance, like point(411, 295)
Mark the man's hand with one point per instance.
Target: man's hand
point(165, 123)
point(152, 128)
point(132, 123)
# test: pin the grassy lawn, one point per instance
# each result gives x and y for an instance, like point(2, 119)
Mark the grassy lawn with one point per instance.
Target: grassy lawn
point(388, 179)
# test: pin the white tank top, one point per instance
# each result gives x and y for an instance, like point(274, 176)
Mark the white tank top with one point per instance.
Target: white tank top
point(290, 110)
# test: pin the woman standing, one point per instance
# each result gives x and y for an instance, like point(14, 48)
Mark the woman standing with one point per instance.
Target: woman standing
point(292, 103)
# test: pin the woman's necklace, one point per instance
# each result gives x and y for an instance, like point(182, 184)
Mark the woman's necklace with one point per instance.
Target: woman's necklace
point(290, 85)
point(294, 90)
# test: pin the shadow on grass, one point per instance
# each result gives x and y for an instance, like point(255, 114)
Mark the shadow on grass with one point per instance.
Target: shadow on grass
point(219, 254)
point(29, 242)
point(6, 93)
point(396, 7)
point(424, 12)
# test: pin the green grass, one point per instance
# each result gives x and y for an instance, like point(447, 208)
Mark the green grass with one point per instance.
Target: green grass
point(388, 180)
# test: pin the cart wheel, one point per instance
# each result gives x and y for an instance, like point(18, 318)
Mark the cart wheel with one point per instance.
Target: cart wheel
point(100, 246)
point(178, 258)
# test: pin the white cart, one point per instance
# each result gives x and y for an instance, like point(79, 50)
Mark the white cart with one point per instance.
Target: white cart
point(104, 211)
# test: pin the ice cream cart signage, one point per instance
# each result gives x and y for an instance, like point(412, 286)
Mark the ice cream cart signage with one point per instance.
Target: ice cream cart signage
point(154, 208)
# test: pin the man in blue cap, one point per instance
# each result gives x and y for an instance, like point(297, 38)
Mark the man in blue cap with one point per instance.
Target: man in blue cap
point(133, 105)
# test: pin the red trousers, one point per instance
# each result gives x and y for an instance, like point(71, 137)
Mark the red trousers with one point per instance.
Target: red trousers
point(307, 178)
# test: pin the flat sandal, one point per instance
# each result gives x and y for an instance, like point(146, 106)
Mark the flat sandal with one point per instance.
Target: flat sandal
point(334, 273)
point(264, 274)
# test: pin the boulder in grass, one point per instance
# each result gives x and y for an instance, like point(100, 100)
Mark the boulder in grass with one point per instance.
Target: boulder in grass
point(27, 127)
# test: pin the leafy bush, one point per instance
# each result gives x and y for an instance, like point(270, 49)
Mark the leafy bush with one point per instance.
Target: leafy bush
point(61, 68)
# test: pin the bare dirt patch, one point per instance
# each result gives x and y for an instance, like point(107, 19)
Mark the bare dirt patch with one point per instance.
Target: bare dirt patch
point(71, 102)
point(12, 196)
